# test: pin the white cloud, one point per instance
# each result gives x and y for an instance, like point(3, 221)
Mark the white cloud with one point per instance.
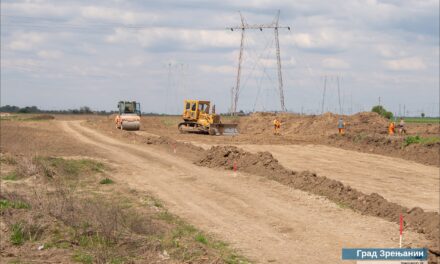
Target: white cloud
point(405, 64)
point(324, 39)
point(117, 15)
point(223, 69)
point(334, 63)
point(21, 64)
point(37, 8)
point(186, 38)
point(388, 51)
point(50, 54)
point(26, 41)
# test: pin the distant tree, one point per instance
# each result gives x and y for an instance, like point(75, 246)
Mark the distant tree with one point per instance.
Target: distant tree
point(382, 111)
point(85, 110)
point(29, 109)
point(423, 115)
point(9, 108)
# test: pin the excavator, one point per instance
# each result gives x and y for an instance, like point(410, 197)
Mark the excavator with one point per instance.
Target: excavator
point(197, 118)
point(129, 115)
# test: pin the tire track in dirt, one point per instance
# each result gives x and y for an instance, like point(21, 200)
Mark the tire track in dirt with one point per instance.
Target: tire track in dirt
point(265, 220)
point(404, 182)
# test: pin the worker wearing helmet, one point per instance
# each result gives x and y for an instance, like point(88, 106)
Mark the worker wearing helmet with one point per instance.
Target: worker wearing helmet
point(276, 126)
point(402, 129)
point(391, 128)
point(341, 126)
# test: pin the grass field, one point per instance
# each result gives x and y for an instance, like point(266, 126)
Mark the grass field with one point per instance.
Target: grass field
point(428, 120)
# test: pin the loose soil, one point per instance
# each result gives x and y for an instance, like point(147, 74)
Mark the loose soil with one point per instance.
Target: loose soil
point(264, 164)
point(264, 219)
point(204, 186)
point(366, 132)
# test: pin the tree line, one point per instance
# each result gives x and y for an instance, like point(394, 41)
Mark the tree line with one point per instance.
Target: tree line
point(80, 111)
point(36, 110)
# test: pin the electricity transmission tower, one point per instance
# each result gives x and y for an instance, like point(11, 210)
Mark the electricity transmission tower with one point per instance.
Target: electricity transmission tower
point(243, 27)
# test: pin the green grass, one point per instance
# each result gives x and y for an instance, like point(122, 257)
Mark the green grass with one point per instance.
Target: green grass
point(27, 117)
point(167, 217)
point(182, 231)
point(201, 238)
point(17, 234)
point(82, 257)
point(13, 204)
point(428, 120)
point(11, 176)
point(343, 205)
point(420, 140)
point(75, 167)
point(69, 167)
point(106, 181)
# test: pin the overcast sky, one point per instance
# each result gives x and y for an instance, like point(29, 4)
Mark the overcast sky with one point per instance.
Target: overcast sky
point(67, 54)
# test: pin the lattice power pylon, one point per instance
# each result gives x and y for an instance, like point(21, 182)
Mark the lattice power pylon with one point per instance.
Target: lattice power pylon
point(243, 27)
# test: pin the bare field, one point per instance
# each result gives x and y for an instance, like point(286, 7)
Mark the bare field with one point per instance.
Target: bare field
point(366, 132)
point(265, 220)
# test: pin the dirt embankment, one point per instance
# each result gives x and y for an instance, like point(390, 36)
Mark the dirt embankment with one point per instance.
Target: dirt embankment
point(365, 132)
point(264, 164)
point(326, 124)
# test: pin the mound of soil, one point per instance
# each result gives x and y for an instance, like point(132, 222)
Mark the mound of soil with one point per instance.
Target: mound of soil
point(392, 146)
point(326, 124)
point(264, 164)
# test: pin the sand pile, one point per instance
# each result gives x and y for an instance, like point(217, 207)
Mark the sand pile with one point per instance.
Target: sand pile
point(326, 124)
point(264, 164)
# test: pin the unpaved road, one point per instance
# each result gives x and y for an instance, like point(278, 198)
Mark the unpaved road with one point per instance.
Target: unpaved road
point(401, 181)
point(267, 221)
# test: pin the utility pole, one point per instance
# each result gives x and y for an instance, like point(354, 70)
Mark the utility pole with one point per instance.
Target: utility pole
point(168, 88)
point(280, 76)
point(232, 101)
point(243, 27)
point(339, 96)
point(323, 94)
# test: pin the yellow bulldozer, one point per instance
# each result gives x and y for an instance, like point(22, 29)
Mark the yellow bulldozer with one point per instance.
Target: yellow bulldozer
point(197, 118)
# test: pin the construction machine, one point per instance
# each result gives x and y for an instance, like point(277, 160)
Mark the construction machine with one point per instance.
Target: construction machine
point(197, 118)
point(129, 116)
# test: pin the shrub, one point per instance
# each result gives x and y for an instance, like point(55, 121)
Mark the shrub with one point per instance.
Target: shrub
point(12, 176)
point(13, 204)
point(22, 232)
point(201, 238)
point(411, 140)
point(420, 140)
point(382, 111)
point(17, 234)
point(106, 181)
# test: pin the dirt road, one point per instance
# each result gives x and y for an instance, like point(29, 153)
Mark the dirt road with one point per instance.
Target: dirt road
point(404, 182)
point(265, 220)
point(401, 181)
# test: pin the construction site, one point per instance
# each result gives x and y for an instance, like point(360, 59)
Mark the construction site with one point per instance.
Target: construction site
point(209, 183)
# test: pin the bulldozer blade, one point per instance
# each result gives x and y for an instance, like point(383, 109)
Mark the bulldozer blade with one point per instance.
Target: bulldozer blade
point(225, 129)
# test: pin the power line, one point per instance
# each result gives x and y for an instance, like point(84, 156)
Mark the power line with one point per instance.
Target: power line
point(243, 27)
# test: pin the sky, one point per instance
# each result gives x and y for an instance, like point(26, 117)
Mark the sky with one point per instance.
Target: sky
point(67, 54)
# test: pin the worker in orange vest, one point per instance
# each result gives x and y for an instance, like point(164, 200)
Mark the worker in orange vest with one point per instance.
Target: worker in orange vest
point(391, 128)
point(341, 126)
point(276, 126)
